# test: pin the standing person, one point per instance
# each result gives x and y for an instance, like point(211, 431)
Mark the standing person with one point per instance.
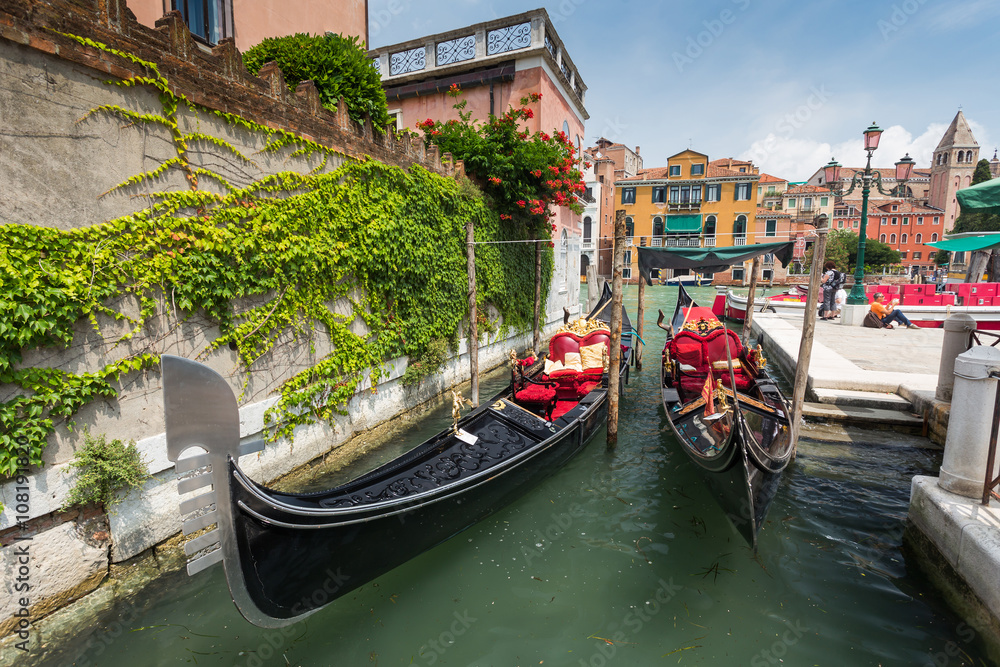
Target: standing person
point(889, 314)
point(829, 281)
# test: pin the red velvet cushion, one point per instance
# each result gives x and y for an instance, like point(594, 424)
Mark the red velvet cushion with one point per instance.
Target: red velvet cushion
point(691, 386)
point(687, 349)
point(715, 345)
point(583, 387)
point(562, 343)
point(536, 393)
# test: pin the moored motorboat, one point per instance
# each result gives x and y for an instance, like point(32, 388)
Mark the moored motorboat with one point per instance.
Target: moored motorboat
point(696, 280)
point(286, 555)
point(726, 412)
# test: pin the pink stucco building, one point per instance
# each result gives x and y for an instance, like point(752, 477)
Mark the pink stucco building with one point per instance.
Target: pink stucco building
point(250, 21)
point(495, 63)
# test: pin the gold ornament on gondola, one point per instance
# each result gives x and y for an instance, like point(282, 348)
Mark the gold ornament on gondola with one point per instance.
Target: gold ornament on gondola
point(722, 405)
point(457, 402)
point(702, 326)
point(583, 326)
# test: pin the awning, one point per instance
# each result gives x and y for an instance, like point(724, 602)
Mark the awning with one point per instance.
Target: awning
point(683, 224)
point(969, 243)
point(981, 198)
point(709, 259)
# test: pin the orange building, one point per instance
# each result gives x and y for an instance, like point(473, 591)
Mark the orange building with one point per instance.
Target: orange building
point(692, 202)
point(251, 21)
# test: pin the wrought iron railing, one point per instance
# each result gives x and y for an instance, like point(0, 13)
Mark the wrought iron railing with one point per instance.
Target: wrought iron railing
point(990, 484)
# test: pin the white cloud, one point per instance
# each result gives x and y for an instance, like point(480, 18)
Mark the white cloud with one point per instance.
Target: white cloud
point(798, 158)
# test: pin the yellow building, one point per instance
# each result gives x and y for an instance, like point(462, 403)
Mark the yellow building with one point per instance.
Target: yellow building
point(692, 202)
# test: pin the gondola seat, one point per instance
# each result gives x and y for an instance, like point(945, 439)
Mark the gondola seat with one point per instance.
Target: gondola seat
point(575, 367)
point(697, 355)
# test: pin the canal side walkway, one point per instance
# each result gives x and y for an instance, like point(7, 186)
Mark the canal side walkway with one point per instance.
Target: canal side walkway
point(878, 376)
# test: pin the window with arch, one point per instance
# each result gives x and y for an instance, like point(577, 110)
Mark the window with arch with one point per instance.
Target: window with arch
point(882, 238)
point(968, 156)
point(740, 226)
point(961, 156)
point(933, 238)
point(629, 227)
point(587, 229)
point(657, 226)
point(710, 226)
point(920, 238)
point(902, 238)
point(892, 238)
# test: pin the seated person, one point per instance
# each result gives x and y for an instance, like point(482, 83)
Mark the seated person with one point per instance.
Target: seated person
point(889, 313)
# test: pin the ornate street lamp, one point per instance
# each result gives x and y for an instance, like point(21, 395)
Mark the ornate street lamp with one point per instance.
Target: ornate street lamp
point(904, 169)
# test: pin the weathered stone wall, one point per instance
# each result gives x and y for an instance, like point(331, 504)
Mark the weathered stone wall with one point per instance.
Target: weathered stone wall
point(56, 168)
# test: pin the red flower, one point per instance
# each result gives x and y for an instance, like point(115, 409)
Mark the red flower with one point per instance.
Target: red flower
point(537, 173)
point(521, 203)
point(494, 180)
point(528, 113)
point(553, 226)
point(535, 97)
point(554, 169)
point(545, 137)
point(454, 89)
point(505, 216)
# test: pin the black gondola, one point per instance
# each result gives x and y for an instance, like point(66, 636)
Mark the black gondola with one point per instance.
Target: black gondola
point(726, 411)
point(287, 555)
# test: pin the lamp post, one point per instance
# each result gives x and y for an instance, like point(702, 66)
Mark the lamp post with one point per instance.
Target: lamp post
point(904, 168)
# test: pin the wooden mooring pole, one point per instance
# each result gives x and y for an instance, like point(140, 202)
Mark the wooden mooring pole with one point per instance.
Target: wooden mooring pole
point(616, 328)
point(748, 319)
point(641, 312)
point(808, 330)
point(470, 245)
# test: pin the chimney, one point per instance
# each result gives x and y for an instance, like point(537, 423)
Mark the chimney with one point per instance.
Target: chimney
point(636, 150)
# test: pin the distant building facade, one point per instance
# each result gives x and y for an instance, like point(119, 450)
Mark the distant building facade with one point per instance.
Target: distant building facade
point(692, 202)
point(612, 162)
point(952, 166)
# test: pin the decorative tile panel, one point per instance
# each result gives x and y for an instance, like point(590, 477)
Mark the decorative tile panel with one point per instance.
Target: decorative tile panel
point(456, 50)
point(550, 46)
point(377, 64)
point(413, 60)
point(510, 38)
point(567, 72)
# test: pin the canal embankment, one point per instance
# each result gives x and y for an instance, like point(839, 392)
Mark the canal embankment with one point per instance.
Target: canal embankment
point(878, 378)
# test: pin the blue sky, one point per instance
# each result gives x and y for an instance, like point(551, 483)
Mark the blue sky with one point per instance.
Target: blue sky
point(787, 84)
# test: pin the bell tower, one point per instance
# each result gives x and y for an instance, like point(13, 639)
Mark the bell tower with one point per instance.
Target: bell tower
point(952, 165)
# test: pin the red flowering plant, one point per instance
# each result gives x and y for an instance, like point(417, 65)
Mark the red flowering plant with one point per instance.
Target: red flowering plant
point(525, 175)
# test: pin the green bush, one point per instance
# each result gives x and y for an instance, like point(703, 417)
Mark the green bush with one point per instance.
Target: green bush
point(429, 362)
point(105, 468)
point(338, 66)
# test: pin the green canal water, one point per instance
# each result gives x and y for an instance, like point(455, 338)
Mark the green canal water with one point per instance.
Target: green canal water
point(620, 558)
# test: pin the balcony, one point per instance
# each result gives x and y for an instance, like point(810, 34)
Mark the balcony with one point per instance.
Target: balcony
point(684, 206)
point(588, 244)
point(656, 242)
point(740, 240)
point(709, 241)
point(682, 242)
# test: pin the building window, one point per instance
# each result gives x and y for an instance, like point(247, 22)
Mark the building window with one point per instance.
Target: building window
point(210, 20)
point(856, 224)
point(627, 269)
point(917, 255)
point(807, 204)
point(791, 203)
point(920, 219)
point(738, 274)
point(902, 239)
point(628, 195)
point(895, 207)
point(659, 195)
point(629, 227)
point(710, 226)
point(695, 194)
point(823, 201)
point(933, 238)
point(882, 238)
point(675, 194)
point(697, 169)
point(892, 238)
point(771, 227)
point(920, 238)
point(895, 221)
point(936, 218)
point(902, 254)
point(884, 220)
point(713, 192)
point(657, 226)
point(906, 220)
point(587, 229)
point(740, 226)
point(840, 224)
point(742, 192)
point(675, 170)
